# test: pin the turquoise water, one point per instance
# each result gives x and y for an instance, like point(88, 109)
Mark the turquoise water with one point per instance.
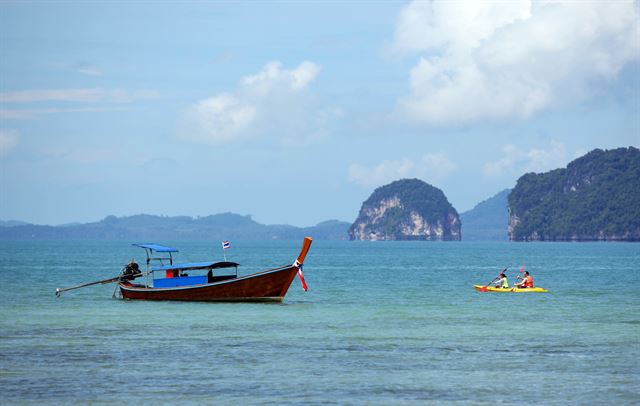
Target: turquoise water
point(382, 323)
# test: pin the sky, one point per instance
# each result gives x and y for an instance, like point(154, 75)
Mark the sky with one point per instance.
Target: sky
point(293, 112)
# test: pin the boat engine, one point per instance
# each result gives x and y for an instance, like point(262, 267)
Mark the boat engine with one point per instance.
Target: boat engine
point(131, 271)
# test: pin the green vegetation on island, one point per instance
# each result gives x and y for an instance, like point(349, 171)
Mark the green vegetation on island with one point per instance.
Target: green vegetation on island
point(407, 209)
point(595, 198)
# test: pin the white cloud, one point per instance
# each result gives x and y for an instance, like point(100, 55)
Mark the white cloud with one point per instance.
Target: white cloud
point(273, 76)
point(8, 140)
point(436, 166)
point(482, 59)
point(272, 100)
point(20, 114)
point(382, 173)
point(497, 168)
point(431, 167)
point(14, 114)
point(83, 96)
point(77, 95)
point(224, 116)
point(425, 25)
point(533, 160)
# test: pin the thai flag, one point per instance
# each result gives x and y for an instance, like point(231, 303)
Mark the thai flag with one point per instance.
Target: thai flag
point(226, 245)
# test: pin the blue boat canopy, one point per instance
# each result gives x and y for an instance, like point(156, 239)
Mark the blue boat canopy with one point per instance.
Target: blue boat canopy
point(156, 247)
point(196, 265)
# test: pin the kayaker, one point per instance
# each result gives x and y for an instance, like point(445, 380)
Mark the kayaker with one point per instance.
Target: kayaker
point(502, 281)
point(527, 281)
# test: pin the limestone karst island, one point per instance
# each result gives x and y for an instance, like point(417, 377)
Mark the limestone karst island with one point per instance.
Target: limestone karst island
point(407, 209)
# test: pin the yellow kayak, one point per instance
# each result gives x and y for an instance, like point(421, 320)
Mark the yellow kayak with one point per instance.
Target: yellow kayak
point(481, 288)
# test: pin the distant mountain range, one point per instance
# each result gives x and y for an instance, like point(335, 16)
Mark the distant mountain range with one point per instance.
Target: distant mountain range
point(596, 197)
point(12, 223)
point(488, 220)
point(144, 227)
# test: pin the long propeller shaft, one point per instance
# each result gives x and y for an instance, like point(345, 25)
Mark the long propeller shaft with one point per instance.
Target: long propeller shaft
point(60, 291)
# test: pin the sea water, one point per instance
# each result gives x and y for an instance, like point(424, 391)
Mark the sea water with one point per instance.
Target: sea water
point(382, 323)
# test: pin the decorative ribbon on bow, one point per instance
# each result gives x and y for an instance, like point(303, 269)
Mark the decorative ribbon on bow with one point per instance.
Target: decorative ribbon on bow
point(301, 275)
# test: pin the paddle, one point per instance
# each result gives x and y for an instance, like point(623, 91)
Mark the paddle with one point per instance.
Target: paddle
point(59, 291)
point(518, 277)
point(484, 288)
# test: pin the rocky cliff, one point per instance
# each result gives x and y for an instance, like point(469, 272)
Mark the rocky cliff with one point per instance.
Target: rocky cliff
point(595, 198)
point(407, 209)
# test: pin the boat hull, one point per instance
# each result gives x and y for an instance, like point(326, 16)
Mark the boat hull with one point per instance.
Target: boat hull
point(481, 288)
point(266, 286)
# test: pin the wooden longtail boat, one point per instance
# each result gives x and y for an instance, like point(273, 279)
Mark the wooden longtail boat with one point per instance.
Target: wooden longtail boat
point(266, 286)
point(215, 286)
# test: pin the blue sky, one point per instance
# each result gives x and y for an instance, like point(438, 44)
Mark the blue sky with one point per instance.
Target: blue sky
point(294, 112)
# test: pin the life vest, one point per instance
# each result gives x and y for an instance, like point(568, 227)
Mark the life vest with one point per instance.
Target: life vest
point(505, 283)
point(528, 282)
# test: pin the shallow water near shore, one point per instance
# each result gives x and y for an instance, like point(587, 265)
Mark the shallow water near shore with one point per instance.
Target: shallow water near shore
point(382, 323)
